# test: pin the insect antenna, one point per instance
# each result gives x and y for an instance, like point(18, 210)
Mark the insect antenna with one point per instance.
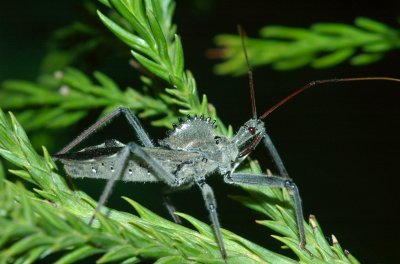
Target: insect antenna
point(242, 34)
point(315, 83)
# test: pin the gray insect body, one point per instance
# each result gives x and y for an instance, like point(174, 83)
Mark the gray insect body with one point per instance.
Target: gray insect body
point(190, 152)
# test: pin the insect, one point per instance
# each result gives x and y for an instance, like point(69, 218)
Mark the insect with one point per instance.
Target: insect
point(189, 153)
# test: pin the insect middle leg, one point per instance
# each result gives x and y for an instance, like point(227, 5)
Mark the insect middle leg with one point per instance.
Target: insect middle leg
point(120, 165)
point(133, 149)
point(211, 205)
point(274, 181)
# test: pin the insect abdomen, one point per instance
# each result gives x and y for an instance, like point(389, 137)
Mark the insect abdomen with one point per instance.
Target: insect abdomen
point(104, 169)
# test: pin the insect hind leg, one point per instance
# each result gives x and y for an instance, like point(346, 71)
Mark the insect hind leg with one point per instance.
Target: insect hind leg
point(165, 192)
point(129, 116)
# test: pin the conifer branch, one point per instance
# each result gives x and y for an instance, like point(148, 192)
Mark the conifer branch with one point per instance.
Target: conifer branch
point(323, 45)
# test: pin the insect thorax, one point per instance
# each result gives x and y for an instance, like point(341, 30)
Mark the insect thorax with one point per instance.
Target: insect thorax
point(198, 135)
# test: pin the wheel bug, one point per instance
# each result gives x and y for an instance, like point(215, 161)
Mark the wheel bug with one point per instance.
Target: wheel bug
point(190, 152)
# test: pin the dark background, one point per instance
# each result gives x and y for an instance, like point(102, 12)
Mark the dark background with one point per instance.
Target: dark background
point(339, 142)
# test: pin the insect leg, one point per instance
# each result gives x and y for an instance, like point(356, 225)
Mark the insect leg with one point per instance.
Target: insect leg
point(153, 165)
point(274, 181)
point(168, 202)
point(211, 205)
point(122, 161)
point(275, 156)
point(120, 165)
point(130, 117)
point(163, 175)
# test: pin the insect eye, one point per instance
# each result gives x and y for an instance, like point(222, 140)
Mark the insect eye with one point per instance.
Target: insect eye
point(217, 140)
point(252, 130)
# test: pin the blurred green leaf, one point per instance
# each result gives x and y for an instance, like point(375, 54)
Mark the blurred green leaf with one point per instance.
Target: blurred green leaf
point(364, 59)
point(333, 58)
point(322, 45)
point(373, 25)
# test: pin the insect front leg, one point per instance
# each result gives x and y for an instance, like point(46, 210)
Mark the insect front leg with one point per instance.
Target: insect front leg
point(284, 182)
point(211, 205)
point(274, 181)
point(130, 117)
point(275, 156)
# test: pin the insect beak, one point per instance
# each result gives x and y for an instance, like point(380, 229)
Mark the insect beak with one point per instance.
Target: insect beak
point(256, 139)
